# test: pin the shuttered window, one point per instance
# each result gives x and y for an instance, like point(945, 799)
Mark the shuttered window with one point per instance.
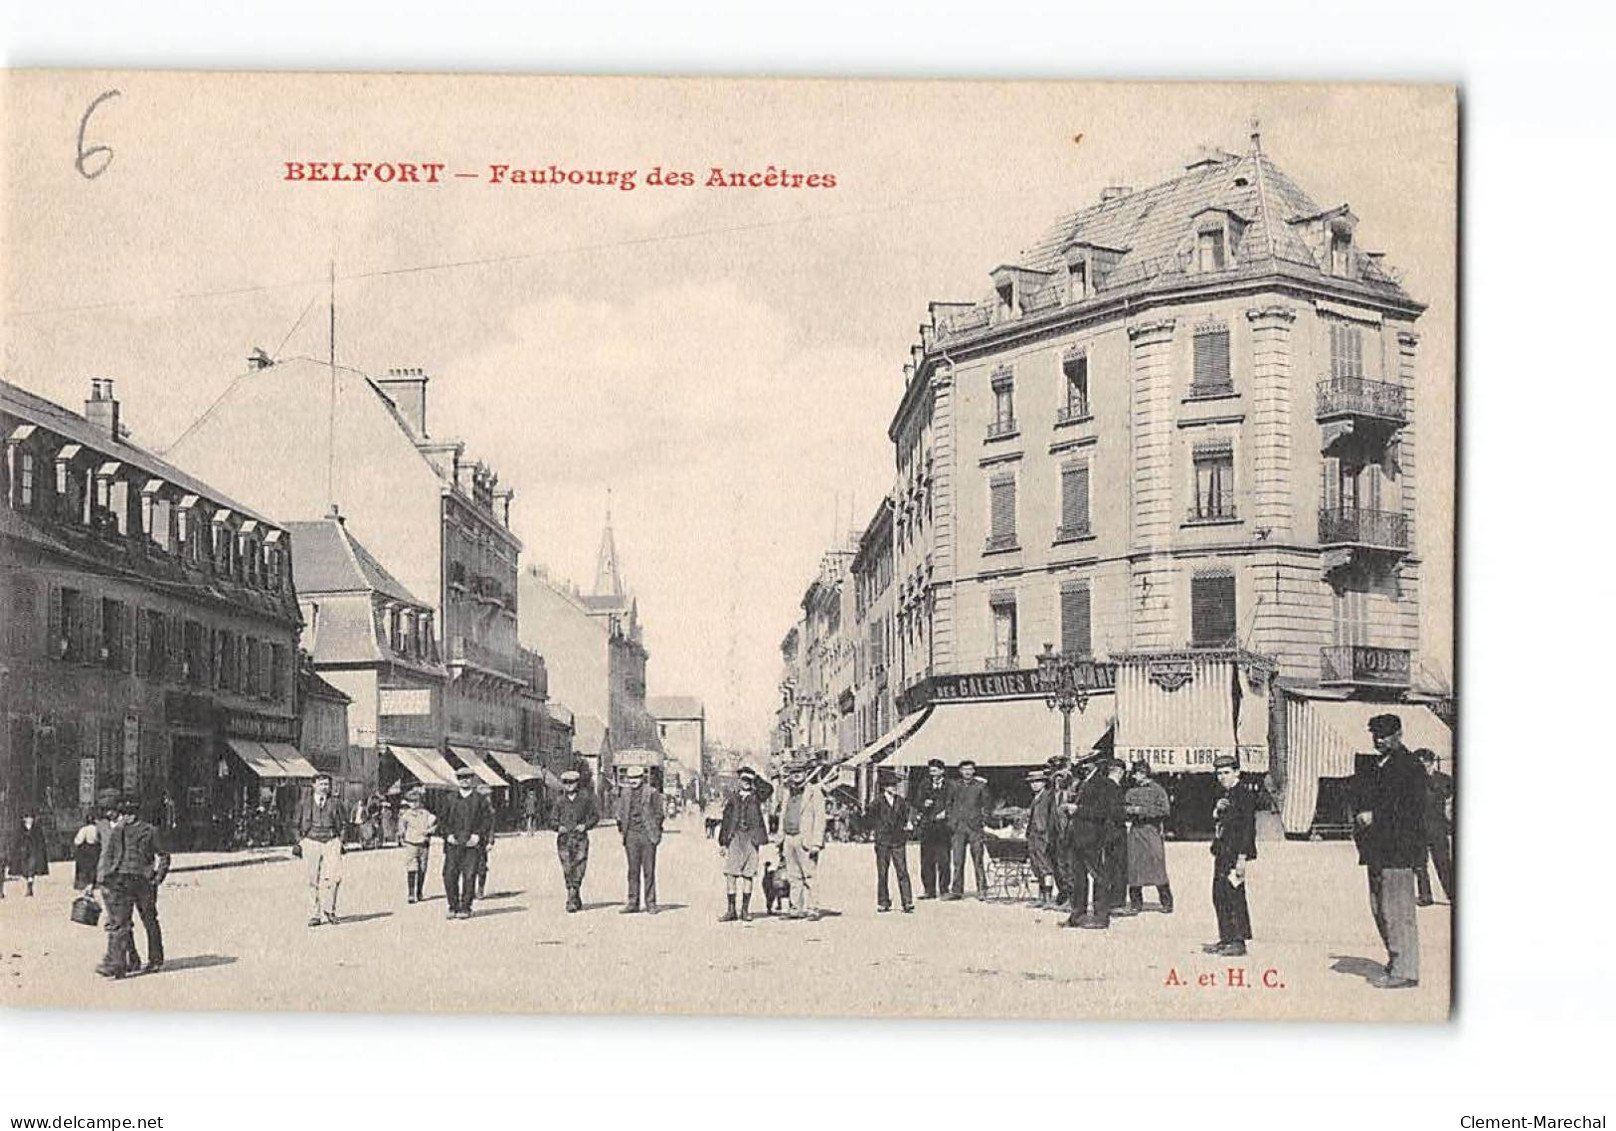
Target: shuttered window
point(1076, 632)
point(1002, 516)
point(1074, 501)
point(1346, 349)
point(21, 627)
point(1212, 610)
point(1212, 362)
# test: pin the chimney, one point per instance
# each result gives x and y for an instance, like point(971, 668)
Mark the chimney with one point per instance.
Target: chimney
point(335, 516)
point(1115, 192)
point(101, 410)
point(406, 388)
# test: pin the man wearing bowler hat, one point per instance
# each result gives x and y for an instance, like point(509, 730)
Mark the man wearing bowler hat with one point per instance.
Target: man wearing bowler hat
point(467, 823)
point(1389, 806)
point(930, 807)
point(639, 819)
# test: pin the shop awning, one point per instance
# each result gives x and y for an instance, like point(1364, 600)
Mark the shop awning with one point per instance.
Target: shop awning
point(1325, 736)
point(514, 765)
point(1002, 732)
point(426, 766)
point(294, 763)
point(879, 749)
point(474, 761)
point(257, 759)
point(1180, 712)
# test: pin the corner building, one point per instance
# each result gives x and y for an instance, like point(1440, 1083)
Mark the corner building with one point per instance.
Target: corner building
point(1176, 438)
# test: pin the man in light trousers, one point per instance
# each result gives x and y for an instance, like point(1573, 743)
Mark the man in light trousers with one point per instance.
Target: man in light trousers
point(322, 823)
point(802, 836)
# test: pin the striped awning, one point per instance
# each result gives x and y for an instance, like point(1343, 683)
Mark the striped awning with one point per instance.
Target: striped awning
point(1179, 712)
point(515, 766)
point(425, 765)
point(1325, 736)
point(879, 749)
point(474, 761)
point(1002, 732)
point(257, 759)
point(291, 760)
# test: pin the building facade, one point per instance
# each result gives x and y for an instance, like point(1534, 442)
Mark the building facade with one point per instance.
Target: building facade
point(874, 632)
point(1173, 445)
point(151, 629)
point(298, 437)
point(682, 730)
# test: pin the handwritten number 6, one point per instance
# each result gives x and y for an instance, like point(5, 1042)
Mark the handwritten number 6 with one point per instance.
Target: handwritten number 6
point(102, 151)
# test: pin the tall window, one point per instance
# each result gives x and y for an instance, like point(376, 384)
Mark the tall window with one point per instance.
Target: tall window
point(1004, 628)
point(25, 479)
point(196, 654)
point(1214, 481)
point(1209, 250)
point(70, 626)
point(1004, 406)
point(1075, 624)
point(1074, 521)
point(1212, 376)
point(151, 645)
point(1212, 610)
point(1002, 513)
point(112, 630)
point(1076, 371)
point(1346, 349)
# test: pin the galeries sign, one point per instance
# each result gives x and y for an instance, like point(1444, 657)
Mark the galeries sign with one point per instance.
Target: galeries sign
point(1022, 684)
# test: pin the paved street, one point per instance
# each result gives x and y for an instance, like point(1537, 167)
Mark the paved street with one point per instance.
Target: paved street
point(237, 939)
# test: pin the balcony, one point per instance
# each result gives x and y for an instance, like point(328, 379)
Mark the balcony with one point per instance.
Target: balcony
point(1009, 663)
point(1212, 512)
point(1073, 532)
point(1002, 429)
point(1348, 397)
point(1363, 665)
point(1352, 528)
point(1211, 391)
point(1072, 411)
point(1000, 543)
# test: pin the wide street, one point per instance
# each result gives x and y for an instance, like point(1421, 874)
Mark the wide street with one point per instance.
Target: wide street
point(236, 939)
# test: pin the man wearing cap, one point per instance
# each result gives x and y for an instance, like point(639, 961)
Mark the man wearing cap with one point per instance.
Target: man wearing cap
point(968, 809)
point(1389, 802)
point(640, 811)
point(132, 865)
point(416, 824)
point(1234, 844)
point(467, 822)
point(1040, 836)
point(1438, 829)
point(889, 825)
point(1099, 835)
point(575, 814)
point(1069, 874)
point(321, 824)
point(802, 836)
point(743, 830)
point(1147, 806)
point(930, 807)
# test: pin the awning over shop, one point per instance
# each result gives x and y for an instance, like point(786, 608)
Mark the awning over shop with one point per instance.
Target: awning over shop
point(1180, 711)
point(294, 763)
point(879, 749)
point(257, 759)
point(426, 766)
point(514, 765)
point(474, 761)
point(1325, 736)
point(1002, 732)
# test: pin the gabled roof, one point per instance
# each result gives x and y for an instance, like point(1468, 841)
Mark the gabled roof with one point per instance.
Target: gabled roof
point(51, 416)
point(327, 558)
point(674, 707)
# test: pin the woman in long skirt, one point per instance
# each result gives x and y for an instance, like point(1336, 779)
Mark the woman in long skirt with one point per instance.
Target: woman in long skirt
point(32, 859)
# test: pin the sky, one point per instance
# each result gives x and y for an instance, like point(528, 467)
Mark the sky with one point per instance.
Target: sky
point(723, 361)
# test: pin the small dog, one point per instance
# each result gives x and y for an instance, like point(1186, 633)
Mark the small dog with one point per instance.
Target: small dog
point(776, 888)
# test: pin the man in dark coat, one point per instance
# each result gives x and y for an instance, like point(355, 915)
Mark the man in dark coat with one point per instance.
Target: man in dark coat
point(467, 824)
point(889, 826)
point(1234, 844)
point(742, 832)
point(1438, 829)
point(1071, 882)
point(1040, 836)
point(968, 807)
point(1099, 834)
point(640, 812)
point(134, 862)
point(930, 806)
point(1389, 802)
point(575, 813)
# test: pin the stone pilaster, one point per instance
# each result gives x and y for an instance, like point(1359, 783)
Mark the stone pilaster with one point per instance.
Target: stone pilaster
point(1273, 385)
point(1151, 390)
point(943, 447)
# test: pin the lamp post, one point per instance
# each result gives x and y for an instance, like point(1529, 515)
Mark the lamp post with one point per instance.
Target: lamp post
point(1062, 691)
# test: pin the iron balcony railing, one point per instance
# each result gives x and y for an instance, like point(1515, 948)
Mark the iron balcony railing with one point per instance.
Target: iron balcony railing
point(1364, 664)
point(1009, 663)
point(1220, 389)
point(1000, 542)
point(1357, 396)
point(1350, 526)
point(1212, 511)
point(1005, 427)
point(1075, 409)
point(1067, 532)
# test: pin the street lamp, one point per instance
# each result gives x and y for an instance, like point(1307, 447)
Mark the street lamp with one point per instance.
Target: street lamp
point(1062, 691)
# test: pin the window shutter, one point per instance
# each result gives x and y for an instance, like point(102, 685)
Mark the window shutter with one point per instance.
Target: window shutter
point(1004, 509)
point(143, 642)
point(94, 629)
point(175, 647)
point(1075, 497)
point(216, 659)
point(1076, 639)
point(1212, 610)
point(128, 615)
point(1212, 358)
point(53, 624)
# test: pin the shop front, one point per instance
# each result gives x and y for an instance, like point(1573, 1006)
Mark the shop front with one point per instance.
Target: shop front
point(1180, 711)
point(260, 784)
point(409, 766)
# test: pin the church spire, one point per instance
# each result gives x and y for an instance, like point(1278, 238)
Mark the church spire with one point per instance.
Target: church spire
point(608, 580)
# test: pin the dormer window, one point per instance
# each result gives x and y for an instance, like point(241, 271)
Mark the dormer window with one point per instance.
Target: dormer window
point(1341, 251)
point(1007, 299)
point(1209, 250)
point(1077, 280)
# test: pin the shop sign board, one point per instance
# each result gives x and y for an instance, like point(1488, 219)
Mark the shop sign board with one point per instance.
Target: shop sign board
point(1194, 759)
